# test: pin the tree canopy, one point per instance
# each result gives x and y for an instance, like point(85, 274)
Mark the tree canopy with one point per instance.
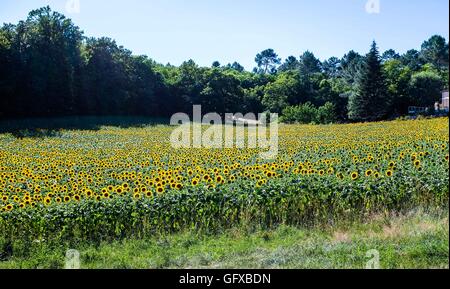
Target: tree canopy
point(48, 67)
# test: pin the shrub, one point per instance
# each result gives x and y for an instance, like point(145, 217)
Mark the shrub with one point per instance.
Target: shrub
point(308, 113)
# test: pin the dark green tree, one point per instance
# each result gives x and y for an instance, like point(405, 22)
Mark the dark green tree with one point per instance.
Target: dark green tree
point(435, 51)
point(412, 59)
point(50, 63)
point(350, 65)
point(215, 64)
point(389, 54)
point(369, 99)
point(222, 92)
point(291, 63)
point(309, 64)
point(425, 88)
point(267, 61)
point(332, 67)
point(284, 91)
point(398, 77)
point(236, 66)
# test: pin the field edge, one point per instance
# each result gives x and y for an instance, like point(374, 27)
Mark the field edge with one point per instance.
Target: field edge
point(418, 239)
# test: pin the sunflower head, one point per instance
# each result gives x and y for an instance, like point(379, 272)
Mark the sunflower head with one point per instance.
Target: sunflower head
point(47, 200)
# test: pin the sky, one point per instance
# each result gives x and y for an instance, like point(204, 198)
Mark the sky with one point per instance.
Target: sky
point(172, 31)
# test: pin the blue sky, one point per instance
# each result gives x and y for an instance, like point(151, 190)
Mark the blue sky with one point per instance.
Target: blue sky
point(236, 30)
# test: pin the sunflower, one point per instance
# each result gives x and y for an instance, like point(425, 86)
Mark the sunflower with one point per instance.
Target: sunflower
point(77, 198)
point(47, 200)
point(417, 163)
point(137, 196)
point(160, 190)
point(88, 193)
point(354, 175)
point(368, 173)
point(389, 173)
point(106, 195)
point(194, 182)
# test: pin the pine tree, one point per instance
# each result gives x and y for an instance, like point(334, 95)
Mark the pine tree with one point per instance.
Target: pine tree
point(369, 100)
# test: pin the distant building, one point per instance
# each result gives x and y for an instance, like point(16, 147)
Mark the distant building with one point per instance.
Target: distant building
point(443, 106)
point(445, 100)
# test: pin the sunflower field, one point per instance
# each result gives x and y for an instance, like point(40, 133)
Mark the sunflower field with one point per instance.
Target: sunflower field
point(120, 182)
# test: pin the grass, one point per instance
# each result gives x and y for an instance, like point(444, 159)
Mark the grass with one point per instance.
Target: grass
point(415, 240)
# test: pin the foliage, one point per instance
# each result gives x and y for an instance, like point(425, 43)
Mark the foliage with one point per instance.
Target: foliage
point(267, 61)
point(398, 77)
point(280, 93)
point(415, 239)
point(307, 113)
point(49, 68)
point(369, 100)
point(435, 51)
point(304, 113)
point(326, 114)
point(425, 88)
point(309, 64)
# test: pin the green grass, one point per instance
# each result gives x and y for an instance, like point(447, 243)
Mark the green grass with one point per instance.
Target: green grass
point(414, 240)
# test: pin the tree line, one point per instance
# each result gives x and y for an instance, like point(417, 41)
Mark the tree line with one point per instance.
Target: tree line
point(49, 68)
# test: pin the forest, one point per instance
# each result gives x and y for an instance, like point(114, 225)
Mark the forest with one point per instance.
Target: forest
point(49, 68)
